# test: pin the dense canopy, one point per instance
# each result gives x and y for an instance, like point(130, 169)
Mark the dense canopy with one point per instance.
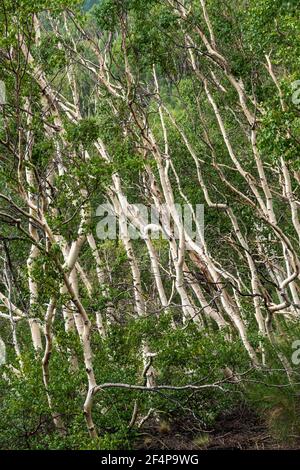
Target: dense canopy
point(111, 110)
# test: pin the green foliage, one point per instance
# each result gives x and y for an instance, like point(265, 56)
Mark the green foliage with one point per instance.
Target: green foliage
point(51, 54)
point(70, 175)
point(116, 360)
point(85, 132)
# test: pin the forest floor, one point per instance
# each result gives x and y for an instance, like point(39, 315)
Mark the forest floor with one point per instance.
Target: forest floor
point(239, 429)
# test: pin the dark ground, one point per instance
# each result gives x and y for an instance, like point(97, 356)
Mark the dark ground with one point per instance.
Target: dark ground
point(237, 429)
